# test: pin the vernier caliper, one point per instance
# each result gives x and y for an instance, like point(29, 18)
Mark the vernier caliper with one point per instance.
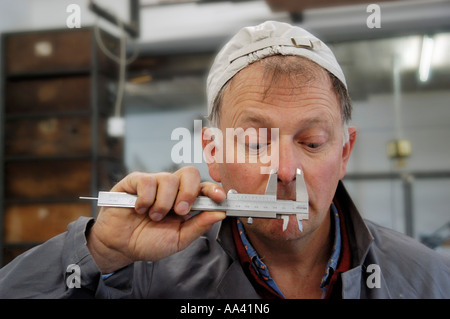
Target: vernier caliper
point(239, 205)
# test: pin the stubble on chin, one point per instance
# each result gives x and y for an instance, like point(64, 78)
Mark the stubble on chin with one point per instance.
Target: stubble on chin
point(271, 230)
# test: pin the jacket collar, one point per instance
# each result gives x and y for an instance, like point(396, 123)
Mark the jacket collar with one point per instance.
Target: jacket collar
point(360, 237)
point(234, 276)
point(225, 239)
point(360, 240)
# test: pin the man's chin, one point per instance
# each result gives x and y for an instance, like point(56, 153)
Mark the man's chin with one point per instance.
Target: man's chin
point(273, 228)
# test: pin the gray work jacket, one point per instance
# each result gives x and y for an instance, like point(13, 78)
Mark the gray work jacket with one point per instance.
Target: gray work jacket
point(385, 264)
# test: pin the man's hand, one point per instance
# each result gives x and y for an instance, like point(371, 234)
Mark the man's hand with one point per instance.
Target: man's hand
point(159, 226)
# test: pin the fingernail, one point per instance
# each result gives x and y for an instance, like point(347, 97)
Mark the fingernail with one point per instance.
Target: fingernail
point(182, 208)
point(221, 215)
point(219, 191)
point(156, 217)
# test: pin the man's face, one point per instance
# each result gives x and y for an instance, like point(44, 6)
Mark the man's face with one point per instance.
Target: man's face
point(310, 137)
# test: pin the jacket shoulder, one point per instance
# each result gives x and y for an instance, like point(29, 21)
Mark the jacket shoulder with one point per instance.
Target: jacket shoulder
point(409, 268)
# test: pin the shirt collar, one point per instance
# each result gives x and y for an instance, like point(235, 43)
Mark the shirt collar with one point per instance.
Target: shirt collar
point(336, 250)
point(259, 266)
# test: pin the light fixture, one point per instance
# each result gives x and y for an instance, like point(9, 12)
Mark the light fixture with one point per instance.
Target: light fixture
point(142, 79)
point(116, 126)
point(425, 58)
point(399, 150)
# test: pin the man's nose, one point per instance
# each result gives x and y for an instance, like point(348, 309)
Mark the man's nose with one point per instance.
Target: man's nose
point(288, 162)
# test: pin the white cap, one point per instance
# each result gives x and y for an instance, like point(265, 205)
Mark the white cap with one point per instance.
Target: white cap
point(270, 38)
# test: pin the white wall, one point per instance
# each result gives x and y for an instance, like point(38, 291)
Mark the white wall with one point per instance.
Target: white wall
point(426, 123)
point(148, 139)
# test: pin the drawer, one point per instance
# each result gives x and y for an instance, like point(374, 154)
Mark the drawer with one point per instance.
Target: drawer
point(48, 51)
point(64, 94)
point(58, 136)
point(40, 222)
point(47, 179)
point(50, 136)
point(57, 51)
point(58, 179)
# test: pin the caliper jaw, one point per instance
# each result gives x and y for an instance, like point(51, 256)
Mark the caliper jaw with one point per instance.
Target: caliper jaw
point(301, 196)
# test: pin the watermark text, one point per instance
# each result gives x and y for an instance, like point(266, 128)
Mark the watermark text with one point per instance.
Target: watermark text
point(374, 19)
point(74, 18)
point(236, 145)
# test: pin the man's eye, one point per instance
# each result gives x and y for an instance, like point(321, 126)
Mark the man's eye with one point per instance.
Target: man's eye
point(313, 145)
point(256, 146)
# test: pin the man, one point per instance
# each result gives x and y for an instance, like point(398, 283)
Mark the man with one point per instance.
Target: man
point(270, 76)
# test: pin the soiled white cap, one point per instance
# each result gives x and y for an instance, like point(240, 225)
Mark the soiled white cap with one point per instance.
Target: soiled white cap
point(270, 38)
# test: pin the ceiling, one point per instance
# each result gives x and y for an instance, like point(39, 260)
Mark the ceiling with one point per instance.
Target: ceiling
point(179, 80)
point(369, 64)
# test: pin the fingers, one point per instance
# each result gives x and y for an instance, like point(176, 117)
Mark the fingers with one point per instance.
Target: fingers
point(167, 189)
point(213, 191)
point(142, 184)
point(146, 187)
point(159, 193)
point(189, 188)
point(198, 225)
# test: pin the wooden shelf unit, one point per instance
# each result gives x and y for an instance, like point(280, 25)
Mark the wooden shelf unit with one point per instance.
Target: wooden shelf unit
point(56, 98)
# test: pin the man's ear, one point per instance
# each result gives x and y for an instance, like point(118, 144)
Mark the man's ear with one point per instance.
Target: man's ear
point(347, 149)
point(211, 143)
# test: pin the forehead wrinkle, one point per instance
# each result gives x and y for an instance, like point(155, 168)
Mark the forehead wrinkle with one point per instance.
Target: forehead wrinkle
point(255, 113)
point(261, 89)
point(254, 95)
point(249, 103)
point(306, 97)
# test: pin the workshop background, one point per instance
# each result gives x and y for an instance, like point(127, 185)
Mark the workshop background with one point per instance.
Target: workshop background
point(91, 90)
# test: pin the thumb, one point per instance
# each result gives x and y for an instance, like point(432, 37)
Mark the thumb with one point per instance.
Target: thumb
point(197, 226)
